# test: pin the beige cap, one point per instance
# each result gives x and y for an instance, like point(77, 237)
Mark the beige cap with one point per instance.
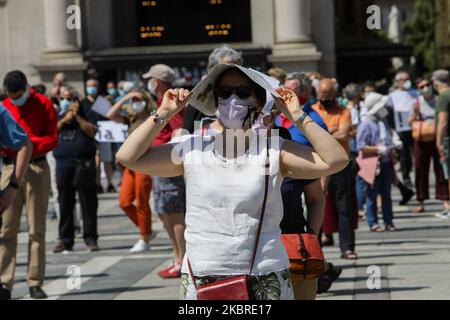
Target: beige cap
point(161, 72)
point(441, 76)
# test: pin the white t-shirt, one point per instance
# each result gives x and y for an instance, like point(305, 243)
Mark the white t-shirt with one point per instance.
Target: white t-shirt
point(223, 207)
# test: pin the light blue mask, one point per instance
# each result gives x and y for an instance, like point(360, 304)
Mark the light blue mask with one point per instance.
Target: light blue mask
point(112, 92)
point(121, 92)
point(20, 102)
point(91, 91)
point(64, 106)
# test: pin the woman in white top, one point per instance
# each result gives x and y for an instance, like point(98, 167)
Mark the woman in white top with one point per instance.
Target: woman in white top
point(225, 185)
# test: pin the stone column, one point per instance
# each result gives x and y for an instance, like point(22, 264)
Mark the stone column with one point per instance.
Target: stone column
point(58, 37)
point(292, 21)
point(294, 49)
point(62, 51)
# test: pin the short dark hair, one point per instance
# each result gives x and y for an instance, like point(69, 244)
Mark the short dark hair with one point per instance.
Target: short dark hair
point(15, 81)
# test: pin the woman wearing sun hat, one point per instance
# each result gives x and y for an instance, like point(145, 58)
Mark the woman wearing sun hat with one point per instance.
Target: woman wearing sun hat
point(226, 186)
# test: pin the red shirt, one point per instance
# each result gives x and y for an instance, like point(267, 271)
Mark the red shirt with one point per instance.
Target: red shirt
point(165, 134)
point(38, 118)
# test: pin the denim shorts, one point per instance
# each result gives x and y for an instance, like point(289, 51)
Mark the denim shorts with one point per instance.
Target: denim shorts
point(169, 195)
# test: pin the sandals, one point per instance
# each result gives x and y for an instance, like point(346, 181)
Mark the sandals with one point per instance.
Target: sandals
point(391, 228)
point(418, 210)
point(376, 228)
point(327, 241)
point(349, 255)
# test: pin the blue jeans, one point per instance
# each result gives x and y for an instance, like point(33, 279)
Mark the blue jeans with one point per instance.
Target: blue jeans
point(361, 191)
point(381, 186)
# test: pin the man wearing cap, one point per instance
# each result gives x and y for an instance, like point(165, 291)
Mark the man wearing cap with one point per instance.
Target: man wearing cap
point(374, 139)
point(168, 193)
point(442, 86)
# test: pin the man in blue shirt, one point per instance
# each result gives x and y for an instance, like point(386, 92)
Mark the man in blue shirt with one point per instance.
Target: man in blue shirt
point(300, 83)
point(13, 137)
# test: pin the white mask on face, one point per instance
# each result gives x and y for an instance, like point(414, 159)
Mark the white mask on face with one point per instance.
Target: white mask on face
point(151, 88)
point(407, 84)
point(233, 111)
point(382, 113)
point(138, 106)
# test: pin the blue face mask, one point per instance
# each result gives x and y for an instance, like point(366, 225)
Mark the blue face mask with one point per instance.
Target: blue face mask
point(91, 91)
point(64, 106)
point(20, 102)
point(112, 92)
point(121, 92)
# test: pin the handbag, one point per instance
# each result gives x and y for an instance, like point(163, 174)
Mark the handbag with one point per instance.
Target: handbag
point(305, 254)
point(235, 288)
point(423, 130)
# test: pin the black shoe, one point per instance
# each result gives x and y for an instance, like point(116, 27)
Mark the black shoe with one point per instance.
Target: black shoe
point(327, 278)
point(37, 293)
point(100, 189)
point(60, 247)
point(407, 194)
point(5, 294)
point(111, 189)
point(92, 246)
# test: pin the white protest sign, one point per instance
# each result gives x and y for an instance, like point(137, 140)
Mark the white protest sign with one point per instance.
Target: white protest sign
point(101, 106)
point(110, 131)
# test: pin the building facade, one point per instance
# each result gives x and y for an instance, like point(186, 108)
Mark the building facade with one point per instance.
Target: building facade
point(120, 39)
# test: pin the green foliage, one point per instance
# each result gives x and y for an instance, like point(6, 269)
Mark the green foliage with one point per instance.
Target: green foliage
point(420, 34)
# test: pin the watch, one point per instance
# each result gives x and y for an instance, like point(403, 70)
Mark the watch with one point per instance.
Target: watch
point(301, 119)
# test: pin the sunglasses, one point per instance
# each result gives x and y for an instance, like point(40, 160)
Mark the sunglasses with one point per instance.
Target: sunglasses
point(423, 86)
point(243, 92)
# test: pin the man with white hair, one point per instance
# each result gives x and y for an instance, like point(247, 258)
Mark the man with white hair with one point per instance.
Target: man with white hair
point(442, 86)
point(402, 100)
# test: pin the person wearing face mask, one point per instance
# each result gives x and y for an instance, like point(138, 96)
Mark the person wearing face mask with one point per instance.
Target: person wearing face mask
point(340, 213)
point(441, 85)
point(225, 189)
point(111, 90)
point(401, 103)
point(425, 151)
point(133, 109)
point(168, 193)
point(75, 170)
point(195, 119)
point(36, 114)
point(374, 139)
point(104, 148)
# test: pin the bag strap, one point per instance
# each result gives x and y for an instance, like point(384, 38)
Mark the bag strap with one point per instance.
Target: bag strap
point(263, 210)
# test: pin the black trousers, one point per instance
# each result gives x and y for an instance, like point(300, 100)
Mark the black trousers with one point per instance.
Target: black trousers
point(87, 195)
point(405, 155)
point(339, 187)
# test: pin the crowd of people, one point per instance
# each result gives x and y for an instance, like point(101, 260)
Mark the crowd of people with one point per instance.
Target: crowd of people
point(336, 149)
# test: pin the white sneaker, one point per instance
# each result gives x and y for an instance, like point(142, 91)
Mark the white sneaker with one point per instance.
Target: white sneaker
point(443, 215)
point(139, 247)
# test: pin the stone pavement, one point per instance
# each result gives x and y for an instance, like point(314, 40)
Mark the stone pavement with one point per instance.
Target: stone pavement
point(414, 263)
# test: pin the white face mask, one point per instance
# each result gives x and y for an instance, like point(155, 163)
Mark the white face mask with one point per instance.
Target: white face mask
point(407, 84)
point(382, 113)
point(233, 111)
point(138, 106)
point(151, 88)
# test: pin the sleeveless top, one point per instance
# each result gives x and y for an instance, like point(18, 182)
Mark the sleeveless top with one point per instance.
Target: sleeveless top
point(223, 206)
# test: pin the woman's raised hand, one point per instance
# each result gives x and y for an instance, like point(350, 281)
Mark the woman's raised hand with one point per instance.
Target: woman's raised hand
point(173, 102)
point(289, 104)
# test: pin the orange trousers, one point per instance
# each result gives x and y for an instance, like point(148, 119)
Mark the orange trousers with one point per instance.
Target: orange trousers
point(136, 187)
